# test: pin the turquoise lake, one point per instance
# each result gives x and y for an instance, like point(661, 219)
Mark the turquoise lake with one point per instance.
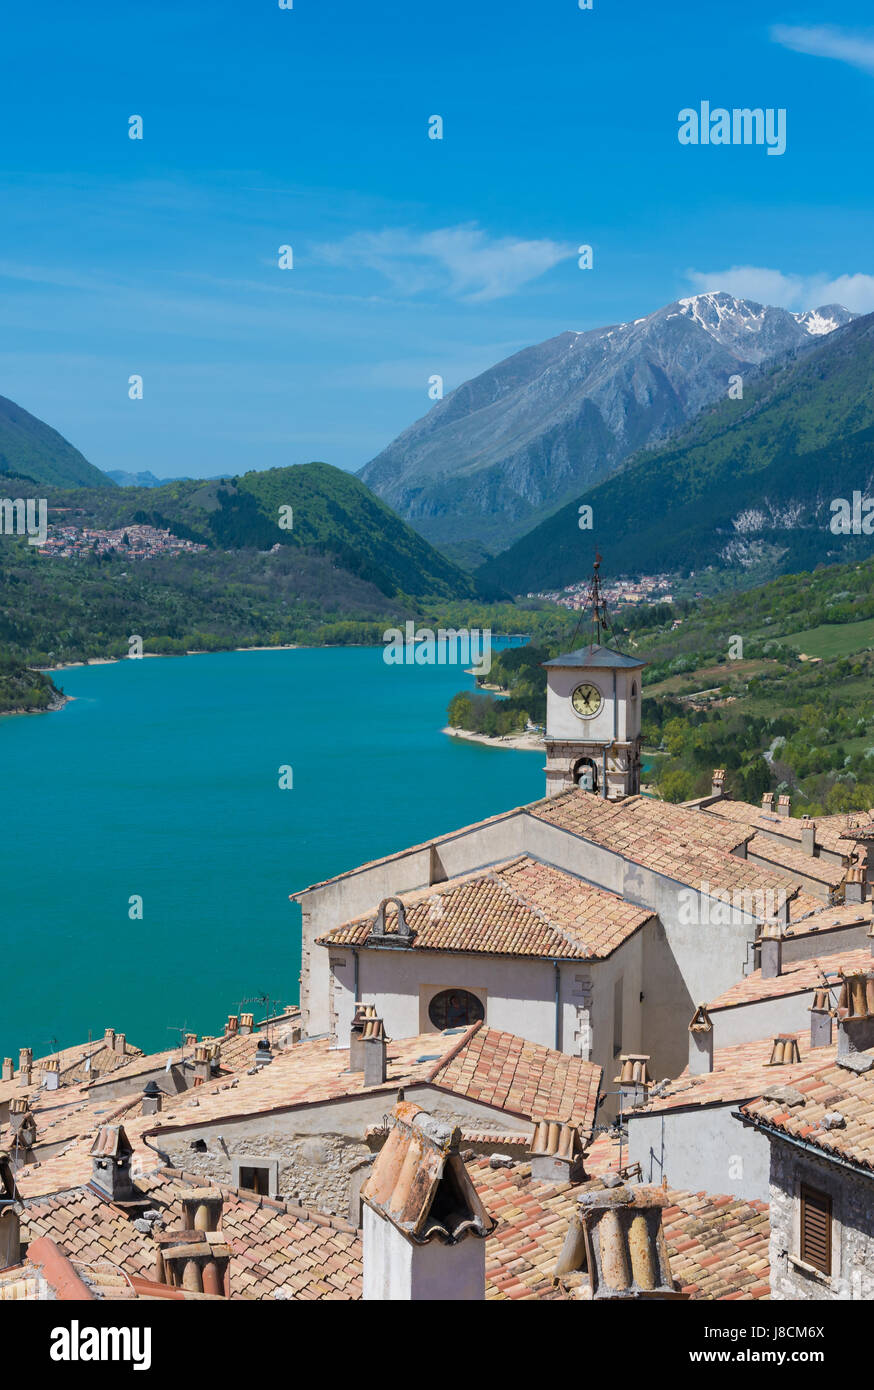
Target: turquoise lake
point(161, 779)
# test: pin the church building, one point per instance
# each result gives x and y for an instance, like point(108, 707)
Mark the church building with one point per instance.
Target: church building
point(594, 921)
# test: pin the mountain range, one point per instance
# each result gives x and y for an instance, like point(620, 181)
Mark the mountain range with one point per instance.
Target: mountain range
point(508, 448)
point(747, 487)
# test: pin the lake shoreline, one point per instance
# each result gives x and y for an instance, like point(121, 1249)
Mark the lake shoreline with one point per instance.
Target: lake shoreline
point(522, 743)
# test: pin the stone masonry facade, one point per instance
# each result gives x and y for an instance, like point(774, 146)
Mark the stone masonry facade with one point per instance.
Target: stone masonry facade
point(852, 1238)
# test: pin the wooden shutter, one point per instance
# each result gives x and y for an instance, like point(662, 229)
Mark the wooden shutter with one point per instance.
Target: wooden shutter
point(816, 1229)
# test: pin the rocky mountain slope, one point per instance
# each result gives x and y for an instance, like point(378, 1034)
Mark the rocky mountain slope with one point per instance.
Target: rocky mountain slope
point(508, 448)
point(747, 487)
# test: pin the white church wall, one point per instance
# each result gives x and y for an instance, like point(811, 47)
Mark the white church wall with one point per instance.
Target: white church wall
point(342, 900)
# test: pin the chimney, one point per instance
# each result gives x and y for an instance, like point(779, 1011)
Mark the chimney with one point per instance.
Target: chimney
point(784, 1050)
point(190, 1040)
point(771, 948)
point(25, 1076)
point(768, 803)
point(375, 1057)
point(700, 1042)
point(633, 1079)
point(51, 1074)
point(363, 1026)
point(717, 786)
point(556, 1152)
point(202, 1207)
point(856, 1013)
point(196, 1261)
point(232, 1027)
point(202, 1064)
point(821, 1019)
point(808, 835)
point(121, 1044)
point(616, 1248)
point(247, 1024)
point(424, 1224)
point(855, 884)
point(263, 1055)
point(21, 1123)
point(10, 1215)
point(25, 1059)
point(784, 805)
point(152, 1099)
point(111, 1155)
point(8, 1069)
point(109, 1039)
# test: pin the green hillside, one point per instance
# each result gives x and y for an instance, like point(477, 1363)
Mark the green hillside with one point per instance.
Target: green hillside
point(23, 691)
point(33, 451)
point(332, 513)
point(748, 484)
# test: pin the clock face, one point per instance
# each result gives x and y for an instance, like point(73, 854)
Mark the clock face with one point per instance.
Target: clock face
point(587, 700)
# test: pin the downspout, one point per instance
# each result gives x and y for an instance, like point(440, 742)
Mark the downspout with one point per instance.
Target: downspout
point(604, 773)
point(355, 995)
point(557, 1006)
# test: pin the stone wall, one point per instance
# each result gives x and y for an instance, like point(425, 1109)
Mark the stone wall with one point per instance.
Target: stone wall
point(852, 1275)
point(315, 1170)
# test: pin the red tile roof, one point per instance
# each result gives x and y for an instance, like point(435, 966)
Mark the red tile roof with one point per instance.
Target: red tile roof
point(828, 1088)
point(520, 908)
point(798, 977)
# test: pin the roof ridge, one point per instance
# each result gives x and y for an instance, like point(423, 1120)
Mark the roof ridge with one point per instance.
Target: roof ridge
point(454, 1051)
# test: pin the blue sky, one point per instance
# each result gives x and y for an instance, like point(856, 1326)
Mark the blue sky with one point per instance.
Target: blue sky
point(266, 127)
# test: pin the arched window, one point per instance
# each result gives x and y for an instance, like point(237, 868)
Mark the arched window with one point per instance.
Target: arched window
point(455, 1008)
point(634, 690)
point(585, 774)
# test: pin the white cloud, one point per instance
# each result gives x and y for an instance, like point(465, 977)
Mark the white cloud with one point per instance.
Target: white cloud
point(462, 261)
point(826, 42)
point(766, 286)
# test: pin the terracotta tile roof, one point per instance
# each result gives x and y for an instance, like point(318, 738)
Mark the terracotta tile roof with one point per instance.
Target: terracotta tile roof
point(521, 908)
point(506, 1071)
point(502, 1071)
point(72, 1067)
point(828, 1088)
point(740, 1073)
point(279, 1250)
point(683, 844)
point(796, 862)
point(808, 915)
point(718, 1246)
point(235, 1053)
point(832, 832)
point(798, 976)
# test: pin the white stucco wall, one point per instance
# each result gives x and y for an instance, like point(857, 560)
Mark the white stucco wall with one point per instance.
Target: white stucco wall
point(764, 1019)
point(518, 995)
point(395, 1269)
point(702, 1147)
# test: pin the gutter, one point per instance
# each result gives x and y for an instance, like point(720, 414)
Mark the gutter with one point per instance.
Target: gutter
point(814, 1150)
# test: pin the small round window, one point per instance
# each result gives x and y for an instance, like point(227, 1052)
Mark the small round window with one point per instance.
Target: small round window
point(455, 1008)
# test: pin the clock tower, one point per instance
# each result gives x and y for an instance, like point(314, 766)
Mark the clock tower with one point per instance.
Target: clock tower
point(593, 701)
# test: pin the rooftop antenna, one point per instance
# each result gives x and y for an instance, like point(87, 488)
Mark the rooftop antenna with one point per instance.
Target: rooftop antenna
point(266, 1001)
point(183, 1033)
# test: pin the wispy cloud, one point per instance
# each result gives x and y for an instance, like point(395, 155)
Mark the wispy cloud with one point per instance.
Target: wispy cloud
point(767, 286)
point(823, 41)
point(462, 261)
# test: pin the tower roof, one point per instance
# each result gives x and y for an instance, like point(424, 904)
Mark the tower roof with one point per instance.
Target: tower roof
point(593, 655)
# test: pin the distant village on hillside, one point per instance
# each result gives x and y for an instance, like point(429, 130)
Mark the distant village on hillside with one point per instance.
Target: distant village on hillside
point(135, 542)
